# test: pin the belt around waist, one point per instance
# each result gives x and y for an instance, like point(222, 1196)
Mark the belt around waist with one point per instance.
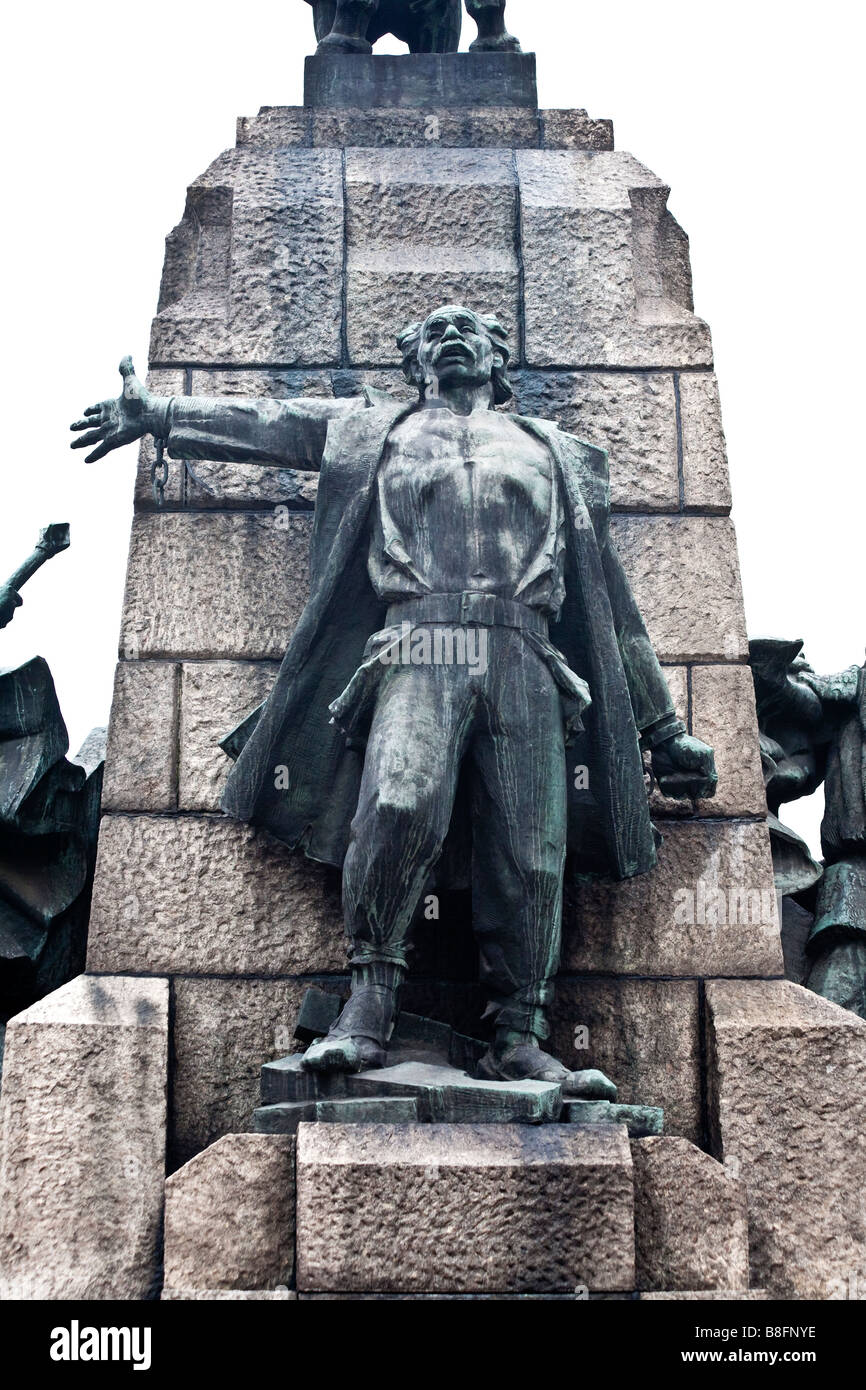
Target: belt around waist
point(468, 609)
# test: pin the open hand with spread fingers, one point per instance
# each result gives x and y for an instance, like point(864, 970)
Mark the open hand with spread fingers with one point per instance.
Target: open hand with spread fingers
point(110, 424)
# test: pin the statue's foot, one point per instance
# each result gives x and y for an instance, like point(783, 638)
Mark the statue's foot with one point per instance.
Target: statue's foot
point(343, 1054)
point(356, 1041)
point(343, 43)
point(502, 43)
point(527, 1062)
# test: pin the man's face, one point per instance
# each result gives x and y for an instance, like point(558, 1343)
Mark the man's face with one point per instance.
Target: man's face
point(455, 349)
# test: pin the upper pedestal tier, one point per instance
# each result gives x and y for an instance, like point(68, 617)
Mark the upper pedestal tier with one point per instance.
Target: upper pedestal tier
point(420, 80)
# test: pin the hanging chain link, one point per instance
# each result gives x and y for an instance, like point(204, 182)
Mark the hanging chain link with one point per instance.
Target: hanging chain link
point(159, 473)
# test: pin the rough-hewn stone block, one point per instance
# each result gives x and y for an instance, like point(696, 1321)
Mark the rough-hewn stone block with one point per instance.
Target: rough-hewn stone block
point(706, 485)
point(686, 578)
point(274, 294)
point(227, 1295)
point(222, 1032)
point(683, 570)
point(643, 1034)
point(230, 1215)
point(463, 1208)
point(788, 1116)
point(723, 711)
point(575, 130)
point(708, 1296)
point(607, 279)
point(141, 758)
point(215, 586)
point(691, 1220)
point(631, 415)
point(284, 126)
point(476, 128)
point(206, 895)
point(425, 228)
point(708, 908)
point(82, 1120)
point(215, 696)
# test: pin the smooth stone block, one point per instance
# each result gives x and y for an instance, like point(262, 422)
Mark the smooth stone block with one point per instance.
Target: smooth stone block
point(708, 908)
point(221, 585)
point(639, 1120)
point(141, 757)
point(82, 1118)
point(464, 1209)
point(230, 1215)
point(685, 575)
point(788, 1116)
point(691, 1219)
point(422, 80)
point(207, 895)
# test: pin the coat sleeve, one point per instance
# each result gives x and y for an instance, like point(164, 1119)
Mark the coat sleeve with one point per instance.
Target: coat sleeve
point(651, 699)
point(236, 429)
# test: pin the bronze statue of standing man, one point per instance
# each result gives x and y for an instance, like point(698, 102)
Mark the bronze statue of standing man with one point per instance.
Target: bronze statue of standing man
point(449, 517)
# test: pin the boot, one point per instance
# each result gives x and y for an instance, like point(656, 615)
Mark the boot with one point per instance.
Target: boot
point(518, 1057)
point(358, 1040)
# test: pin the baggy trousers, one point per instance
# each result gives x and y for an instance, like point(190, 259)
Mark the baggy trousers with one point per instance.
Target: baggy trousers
point(506, 724)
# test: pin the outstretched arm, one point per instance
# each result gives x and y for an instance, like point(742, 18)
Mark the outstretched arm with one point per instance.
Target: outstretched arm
point(224, 428)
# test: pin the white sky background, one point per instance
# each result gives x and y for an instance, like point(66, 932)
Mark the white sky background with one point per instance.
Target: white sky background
point(752, 112)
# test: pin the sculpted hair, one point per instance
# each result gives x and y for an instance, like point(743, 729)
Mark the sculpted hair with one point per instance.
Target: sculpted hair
point(409, 342)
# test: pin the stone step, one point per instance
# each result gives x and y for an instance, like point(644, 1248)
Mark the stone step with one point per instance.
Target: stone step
point(464, 1209)
point(230, 1219)
point(691, 1220)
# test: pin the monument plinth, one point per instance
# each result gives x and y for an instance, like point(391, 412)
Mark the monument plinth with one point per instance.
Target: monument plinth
point(338, 81)
point(298, 252)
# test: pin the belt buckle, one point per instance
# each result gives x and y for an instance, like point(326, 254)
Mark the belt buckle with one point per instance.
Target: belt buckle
point(478, 608)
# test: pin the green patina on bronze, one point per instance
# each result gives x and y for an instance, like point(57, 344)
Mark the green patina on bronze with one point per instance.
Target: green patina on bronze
point(427, 26)
point(446, 516)
point(49, 818)
point(813, 731)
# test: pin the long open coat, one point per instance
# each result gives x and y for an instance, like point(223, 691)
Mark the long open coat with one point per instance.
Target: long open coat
point(599, 629)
